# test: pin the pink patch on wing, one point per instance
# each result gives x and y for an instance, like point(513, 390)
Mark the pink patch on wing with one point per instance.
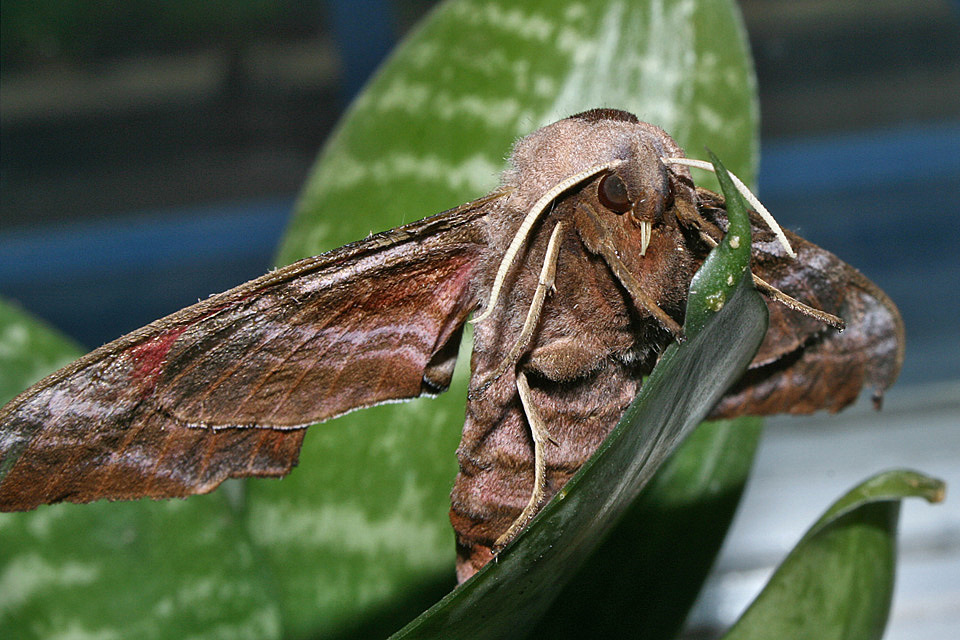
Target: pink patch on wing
point(149, 357)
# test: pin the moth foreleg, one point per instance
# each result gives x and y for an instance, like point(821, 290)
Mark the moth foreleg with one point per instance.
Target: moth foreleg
point(792, 303)
point(540, 437)
point(548, 273)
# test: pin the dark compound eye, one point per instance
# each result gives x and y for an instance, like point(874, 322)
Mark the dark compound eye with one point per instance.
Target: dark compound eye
point(613, 193)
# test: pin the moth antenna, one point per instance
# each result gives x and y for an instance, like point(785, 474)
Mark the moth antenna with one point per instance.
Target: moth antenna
point(746, 193)
point(521, 235)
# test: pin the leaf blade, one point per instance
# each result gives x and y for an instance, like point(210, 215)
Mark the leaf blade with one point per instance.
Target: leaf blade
point(838, 581)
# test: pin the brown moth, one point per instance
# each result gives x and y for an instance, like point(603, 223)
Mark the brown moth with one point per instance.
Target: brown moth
point(580, 261)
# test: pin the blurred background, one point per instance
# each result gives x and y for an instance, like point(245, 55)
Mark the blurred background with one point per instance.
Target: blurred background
point(151, 152)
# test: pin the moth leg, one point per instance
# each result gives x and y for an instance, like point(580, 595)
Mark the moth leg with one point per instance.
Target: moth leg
point(545, 283)
point(792, 303)
point(540, 437)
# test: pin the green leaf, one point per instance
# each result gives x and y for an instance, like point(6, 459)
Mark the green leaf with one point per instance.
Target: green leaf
point(359, 535)
point(357, 540)
point(838, 581)
point(664, 548)
point(434, 126)
point(666, 544)
point(29, 350)
point(120, 570)
point(716, 284)
point(142, 569)
point(507, 597)
point(646, 575)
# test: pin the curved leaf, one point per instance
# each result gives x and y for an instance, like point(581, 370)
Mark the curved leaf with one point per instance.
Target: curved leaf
point(725, 265)
point(838, 581)
point(661, 563)
point(646, 575)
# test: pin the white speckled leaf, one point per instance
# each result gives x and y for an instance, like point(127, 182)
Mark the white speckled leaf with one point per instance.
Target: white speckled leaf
point(175, 569)
point(433, 130)
point(356, 541)
point(435, 125)
point(29, 350)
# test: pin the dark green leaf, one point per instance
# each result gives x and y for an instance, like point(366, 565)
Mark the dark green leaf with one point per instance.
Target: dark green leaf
point(645, 576)
point(665, 546)
point(716, 284)
point(837, 582)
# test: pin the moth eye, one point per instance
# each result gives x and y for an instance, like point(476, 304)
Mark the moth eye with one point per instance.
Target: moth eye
point(613, 193)
point(668, 200)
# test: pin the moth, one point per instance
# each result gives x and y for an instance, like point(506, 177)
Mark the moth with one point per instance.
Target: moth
point(580, 262)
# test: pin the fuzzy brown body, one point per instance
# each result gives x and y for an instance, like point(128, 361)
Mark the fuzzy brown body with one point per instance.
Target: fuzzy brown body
point(226, 387)
point(585, 365)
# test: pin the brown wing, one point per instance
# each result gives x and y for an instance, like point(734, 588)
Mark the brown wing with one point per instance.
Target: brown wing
point(223, 388)
point(804, 366)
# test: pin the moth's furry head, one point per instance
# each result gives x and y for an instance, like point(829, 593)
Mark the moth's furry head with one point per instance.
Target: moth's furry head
point(591, 138)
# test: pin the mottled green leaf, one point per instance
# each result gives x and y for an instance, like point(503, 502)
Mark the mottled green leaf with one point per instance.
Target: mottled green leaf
point(29, 350)
point(838, 581)
point(173, 569)
point(142, 569)
point(433, 128)
point(431, 131)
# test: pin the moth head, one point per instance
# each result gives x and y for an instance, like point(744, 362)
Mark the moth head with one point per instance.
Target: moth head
point(570, 155)
point(641, 194)
point(650, 182)
point(602, 137)
point(640, 173)
point(641, 189)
